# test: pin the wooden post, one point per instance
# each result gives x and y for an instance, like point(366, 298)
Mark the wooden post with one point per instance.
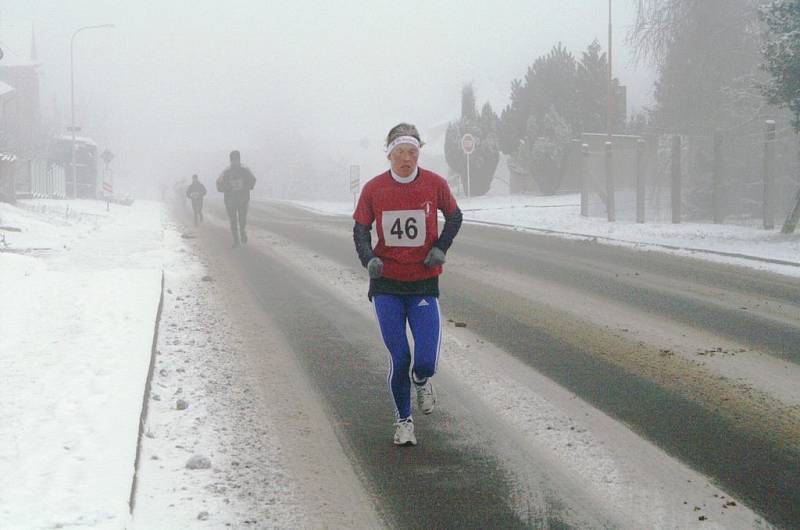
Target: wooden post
point(584, 165)
point(676, 179)
point(640, 180)
point(610, 206)
point(769, 169)
point(717, 190)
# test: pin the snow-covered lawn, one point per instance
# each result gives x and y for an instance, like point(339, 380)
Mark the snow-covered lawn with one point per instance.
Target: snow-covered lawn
point(560, 216)
point(79, 296)
point(77, 316)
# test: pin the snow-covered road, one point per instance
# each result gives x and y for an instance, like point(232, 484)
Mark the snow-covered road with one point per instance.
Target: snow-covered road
point(241, 431)
point(675, 372)
point(235, 434)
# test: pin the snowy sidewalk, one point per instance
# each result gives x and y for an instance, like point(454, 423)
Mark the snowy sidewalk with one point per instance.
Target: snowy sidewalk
point(559, 215)
point(77, 317)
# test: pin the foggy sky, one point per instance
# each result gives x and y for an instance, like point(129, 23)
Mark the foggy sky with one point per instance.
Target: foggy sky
point(178, 83)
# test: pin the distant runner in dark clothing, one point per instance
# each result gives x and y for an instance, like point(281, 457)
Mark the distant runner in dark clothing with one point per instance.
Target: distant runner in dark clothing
point(236, 183)
point(196, 191)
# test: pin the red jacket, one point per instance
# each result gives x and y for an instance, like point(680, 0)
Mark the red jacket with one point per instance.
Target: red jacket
point(407, 222)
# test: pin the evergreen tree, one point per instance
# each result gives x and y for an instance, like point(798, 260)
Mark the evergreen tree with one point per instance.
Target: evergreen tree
point(514, 119)
point(552, 84)
point(483, 160)
point(559, 99)
point(545, 150)
point(637, 124)
point(468, 103)
point(592, 89)
point(782, 54)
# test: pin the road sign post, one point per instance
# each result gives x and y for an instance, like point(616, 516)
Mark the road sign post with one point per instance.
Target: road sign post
point(108, 187)
point(468, 146)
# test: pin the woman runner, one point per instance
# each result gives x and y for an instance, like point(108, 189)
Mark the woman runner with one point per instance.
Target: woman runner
point(404, 268)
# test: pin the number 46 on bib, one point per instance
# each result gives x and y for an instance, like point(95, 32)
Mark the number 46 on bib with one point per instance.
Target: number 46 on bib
point(403, 228)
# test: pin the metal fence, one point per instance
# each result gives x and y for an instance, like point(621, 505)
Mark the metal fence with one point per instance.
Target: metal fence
point(8, 171)
point(748, 176)
point(41, 179)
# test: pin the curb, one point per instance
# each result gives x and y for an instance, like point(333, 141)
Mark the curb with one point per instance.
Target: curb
point(145, 400)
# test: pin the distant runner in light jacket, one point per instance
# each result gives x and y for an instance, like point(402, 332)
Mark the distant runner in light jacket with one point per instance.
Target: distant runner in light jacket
point(196, 191)
point(236, 183)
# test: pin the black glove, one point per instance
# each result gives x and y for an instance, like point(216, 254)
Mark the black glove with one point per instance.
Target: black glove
point(375, 268)
point(434, 258)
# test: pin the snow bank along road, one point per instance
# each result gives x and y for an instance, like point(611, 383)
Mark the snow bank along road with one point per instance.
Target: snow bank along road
point(580, 385)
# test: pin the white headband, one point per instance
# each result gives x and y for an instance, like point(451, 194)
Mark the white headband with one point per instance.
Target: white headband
point(402, 140)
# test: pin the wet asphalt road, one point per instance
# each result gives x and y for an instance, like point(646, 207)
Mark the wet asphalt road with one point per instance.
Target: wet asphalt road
point(448, 480)
point(472, 488)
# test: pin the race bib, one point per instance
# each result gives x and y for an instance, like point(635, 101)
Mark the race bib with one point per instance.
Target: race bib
point(237, 184)
point(404, 228)
point(196, 195)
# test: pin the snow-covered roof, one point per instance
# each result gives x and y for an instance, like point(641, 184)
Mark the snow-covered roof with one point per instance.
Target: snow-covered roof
point(5, 88)
point(12, 60)
point(82, 139)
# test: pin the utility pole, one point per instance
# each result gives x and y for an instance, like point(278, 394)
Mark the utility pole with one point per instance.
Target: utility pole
point(610, 90)
point(609, 146)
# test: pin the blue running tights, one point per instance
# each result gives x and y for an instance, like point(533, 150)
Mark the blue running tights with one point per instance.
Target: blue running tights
point(422, 315)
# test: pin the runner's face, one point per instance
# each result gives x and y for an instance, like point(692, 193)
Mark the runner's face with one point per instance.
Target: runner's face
point(404, 159)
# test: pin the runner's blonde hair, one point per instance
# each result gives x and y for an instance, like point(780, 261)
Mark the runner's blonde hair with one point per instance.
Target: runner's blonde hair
point(403, 129)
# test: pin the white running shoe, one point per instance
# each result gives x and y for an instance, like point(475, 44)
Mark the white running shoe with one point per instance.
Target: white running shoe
point(404, 433)
point(426, 397)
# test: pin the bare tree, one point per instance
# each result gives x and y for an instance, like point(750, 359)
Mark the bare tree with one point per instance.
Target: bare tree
point(661, 23)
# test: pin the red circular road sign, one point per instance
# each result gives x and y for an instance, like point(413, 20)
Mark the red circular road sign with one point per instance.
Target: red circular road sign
point(468, 143)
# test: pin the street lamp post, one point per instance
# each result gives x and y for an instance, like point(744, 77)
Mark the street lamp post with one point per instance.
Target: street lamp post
point(610, 94)
point(72, 100)
point(609, 153)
